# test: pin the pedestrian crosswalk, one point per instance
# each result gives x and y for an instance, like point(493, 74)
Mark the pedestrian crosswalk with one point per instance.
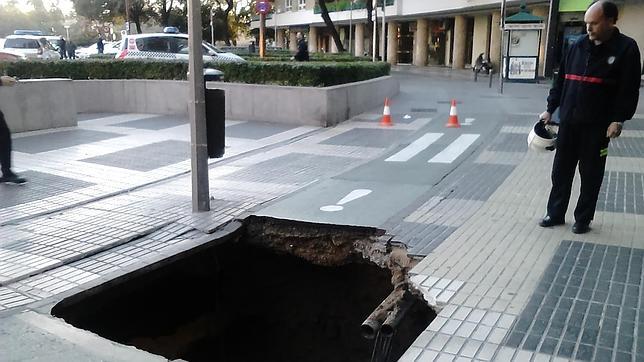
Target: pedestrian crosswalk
point(448, 155)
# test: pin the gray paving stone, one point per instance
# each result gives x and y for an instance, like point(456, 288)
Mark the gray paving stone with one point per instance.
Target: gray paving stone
point(155, 123)
point(59, 139)
point(622, 192)
point(294, 168)
point(626, 147)
point(41, 186)
point(595, 318)
point(256, 130)
point(146, 158)
point(364, 137)
point(509, 142)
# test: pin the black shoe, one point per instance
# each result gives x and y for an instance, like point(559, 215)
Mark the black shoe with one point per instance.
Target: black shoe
point(547, 222)
point(13, 179)
point(580, 227)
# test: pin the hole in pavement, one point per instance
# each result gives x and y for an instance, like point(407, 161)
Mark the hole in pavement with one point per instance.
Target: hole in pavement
point(274, 290)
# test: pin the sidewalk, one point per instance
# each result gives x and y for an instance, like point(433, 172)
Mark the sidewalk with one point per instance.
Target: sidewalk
point(505, 289)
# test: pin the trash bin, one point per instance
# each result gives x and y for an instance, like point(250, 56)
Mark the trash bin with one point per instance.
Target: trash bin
point(215, 122)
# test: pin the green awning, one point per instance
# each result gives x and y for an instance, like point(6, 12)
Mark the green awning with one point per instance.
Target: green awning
point(574, 5)
point(523, 16)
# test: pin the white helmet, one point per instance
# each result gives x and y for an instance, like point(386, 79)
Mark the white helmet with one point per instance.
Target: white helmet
point(542, 137)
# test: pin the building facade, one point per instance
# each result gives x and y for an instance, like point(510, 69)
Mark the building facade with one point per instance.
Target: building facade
point(436, 32)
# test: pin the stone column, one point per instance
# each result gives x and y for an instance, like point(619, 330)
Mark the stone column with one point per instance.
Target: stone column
point(448, 47)
point(421, 39)
point(481, 36)
point(292, 38)
point(280, 38)
point(542, 11)
point(495, 41)
point(460, 33)
point(313, 39)
point(359, 40)
point(392, 42)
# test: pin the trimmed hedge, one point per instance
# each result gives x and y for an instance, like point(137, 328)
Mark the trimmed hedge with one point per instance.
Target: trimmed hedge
point(312, 74)
point(314, 57)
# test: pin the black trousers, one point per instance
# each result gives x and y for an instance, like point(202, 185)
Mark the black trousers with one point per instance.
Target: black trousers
point(585, 145)
point(5, 146)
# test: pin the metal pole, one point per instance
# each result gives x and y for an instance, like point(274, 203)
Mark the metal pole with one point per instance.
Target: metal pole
point(262, 30)
point(350, 29)
point(375, 30)
point(551, 38)
point(127, 16)
point(502, 62)
point(212, 26)
point(275, 32)
point(384, 32)
point(197, 111)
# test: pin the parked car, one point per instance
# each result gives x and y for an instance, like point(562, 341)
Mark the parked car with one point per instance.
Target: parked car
point(31, 46)
point(169, 45)
point(10, 55)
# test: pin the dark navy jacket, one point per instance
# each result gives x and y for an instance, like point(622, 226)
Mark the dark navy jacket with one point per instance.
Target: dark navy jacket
point(598, 83)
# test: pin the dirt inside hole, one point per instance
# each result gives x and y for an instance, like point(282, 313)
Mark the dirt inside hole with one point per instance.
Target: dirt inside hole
point(260, 296)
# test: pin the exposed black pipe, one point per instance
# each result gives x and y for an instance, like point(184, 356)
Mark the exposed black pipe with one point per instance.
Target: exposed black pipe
point(390, 324)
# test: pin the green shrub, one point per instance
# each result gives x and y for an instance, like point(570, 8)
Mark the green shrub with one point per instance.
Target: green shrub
point(313, 74)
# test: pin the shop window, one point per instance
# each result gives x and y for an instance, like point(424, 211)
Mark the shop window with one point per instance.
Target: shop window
point(289, 5)
point(301, 5)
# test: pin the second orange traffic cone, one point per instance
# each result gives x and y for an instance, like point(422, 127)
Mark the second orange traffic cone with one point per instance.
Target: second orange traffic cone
point(386, 115)
point(452, 122)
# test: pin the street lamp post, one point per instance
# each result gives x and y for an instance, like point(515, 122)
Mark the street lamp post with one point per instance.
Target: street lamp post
point(67, 30)
point(277, 11)
point(384, 31)
point(351, 29)
point(127, 16)
point(502, 62)
point(375, 30)
point(212, 25)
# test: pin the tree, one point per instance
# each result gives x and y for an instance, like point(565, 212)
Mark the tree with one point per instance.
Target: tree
point(140, 11)
point(329, 24)
point(163, 9)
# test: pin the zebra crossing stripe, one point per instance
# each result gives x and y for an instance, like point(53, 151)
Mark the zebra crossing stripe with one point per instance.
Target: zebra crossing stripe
point(414, 148)
point(455, 149)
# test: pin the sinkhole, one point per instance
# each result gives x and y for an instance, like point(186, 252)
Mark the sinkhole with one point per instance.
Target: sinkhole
point(273, 290)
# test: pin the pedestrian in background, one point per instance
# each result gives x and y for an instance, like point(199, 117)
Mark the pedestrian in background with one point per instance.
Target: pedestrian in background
point(596, 91)
point(8, 176)
point(62, 48)
point(71, 50)
point(99, 45)
point(302, 54)
point(251, 47)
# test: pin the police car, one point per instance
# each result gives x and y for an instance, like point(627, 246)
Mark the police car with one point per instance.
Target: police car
point(169, 45)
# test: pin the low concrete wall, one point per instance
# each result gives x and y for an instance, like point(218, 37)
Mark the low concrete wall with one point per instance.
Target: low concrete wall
point(305, 105)
point(249, 102)
point(39, 104)
point(132, 96)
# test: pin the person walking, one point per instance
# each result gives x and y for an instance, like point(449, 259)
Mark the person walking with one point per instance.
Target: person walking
point(596, 91)
point(62, 48)
point(8, 176)
point(99, 45)
point(302, 54)
point(71, 50)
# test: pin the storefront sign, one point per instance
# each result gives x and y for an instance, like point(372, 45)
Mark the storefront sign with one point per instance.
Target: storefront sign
point(574, 5)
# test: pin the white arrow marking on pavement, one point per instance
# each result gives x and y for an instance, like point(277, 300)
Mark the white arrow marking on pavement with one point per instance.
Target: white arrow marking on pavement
point(455, 149)
point(351, 196)
point(406, 116)
point(468, 121)
point(414, 148)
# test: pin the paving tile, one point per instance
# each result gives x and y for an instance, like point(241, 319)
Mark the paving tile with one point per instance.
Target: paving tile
point(367, 137)
point(438, 342)
point(454, 345)
point(56, 140)
point(591, 321)
point(146, 158)
point(155, 123)
point(41, 186)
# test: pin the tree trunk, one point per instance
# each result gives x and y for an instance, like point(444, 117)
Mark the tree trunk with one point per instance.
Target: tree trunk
point(330, 26)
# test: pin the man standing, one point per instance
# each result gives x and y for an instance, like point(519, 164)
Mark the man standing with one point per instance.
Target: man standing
point(597, 90)
point(99, 44)
point(62, 48)
point(5, 144)
point(302, 54)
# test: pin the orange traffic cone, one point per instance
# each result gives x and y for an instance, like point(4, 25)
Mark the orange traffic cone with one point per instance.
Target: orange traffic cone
point(452, 122)
point(386, 115)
